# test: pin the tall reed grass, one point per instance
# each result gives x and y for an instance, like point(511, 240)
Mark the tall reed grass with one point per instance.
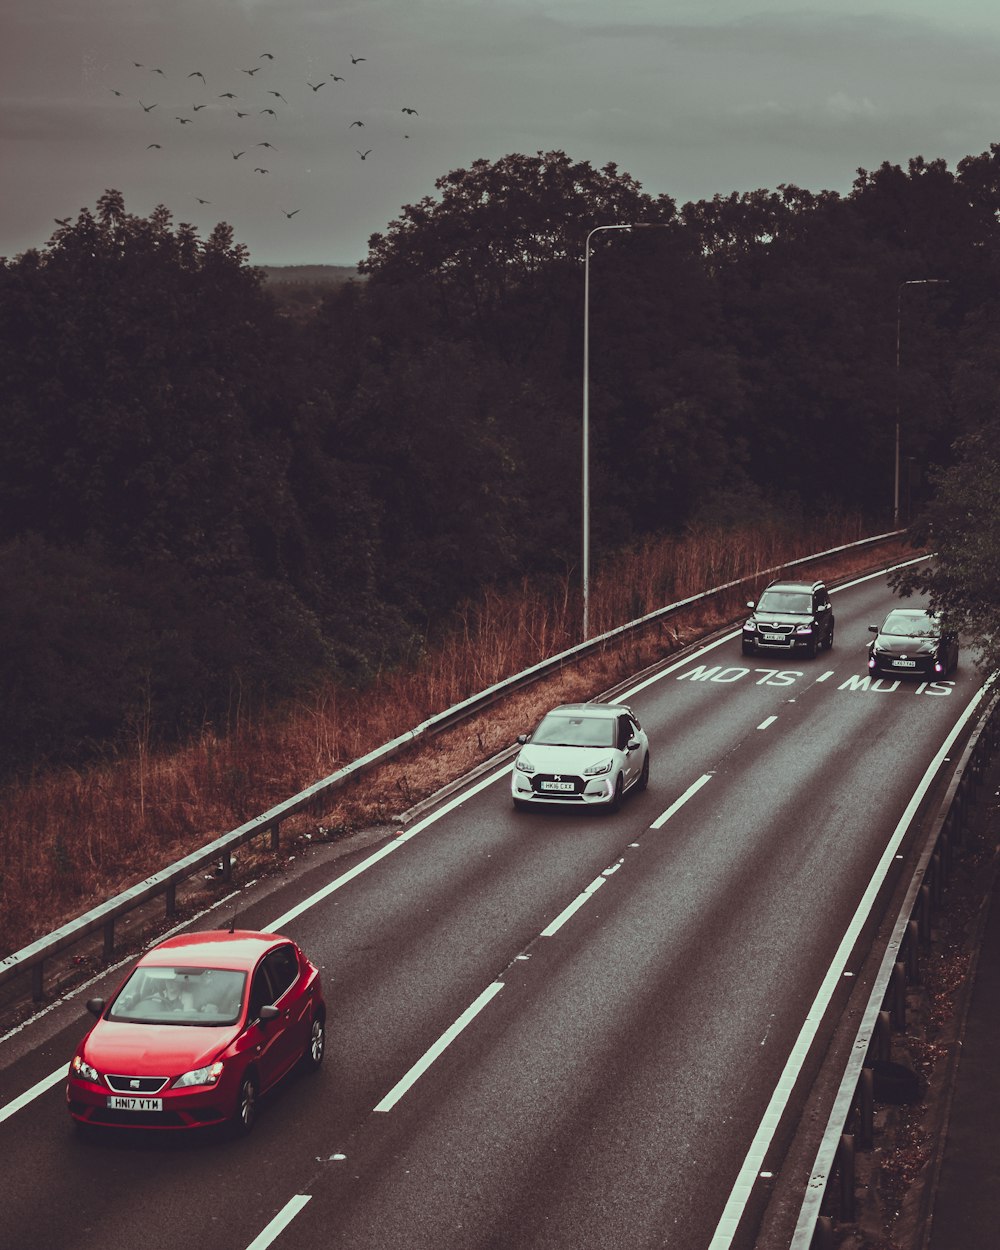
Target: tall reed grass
point(71, 838)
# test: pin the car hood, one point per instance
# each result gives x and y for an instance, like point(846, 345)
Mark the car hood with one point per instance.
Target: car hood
point(154, 1049)
point(894, 644)
point(556, 759)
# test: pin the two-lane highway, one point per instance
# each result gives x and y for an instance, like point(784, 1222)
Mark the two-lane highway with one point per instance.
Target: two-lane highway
point(548, 1029)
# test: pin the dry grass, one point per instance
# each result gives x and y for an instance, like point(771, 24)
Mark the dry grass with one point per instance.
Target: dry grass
point(73, 838)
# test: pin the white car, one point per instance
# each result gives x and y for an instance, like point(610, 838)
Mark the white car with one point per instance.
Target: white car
point(581, 754)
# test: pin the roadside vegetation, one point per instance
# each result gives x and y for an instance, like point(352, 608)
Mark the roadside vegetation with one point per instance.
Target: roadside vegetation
point(76, 836)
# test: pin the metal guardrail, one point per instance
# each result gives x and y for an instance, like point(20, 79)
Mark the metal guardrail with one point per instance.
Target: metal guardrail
point(103, 917)
point(851, 1122)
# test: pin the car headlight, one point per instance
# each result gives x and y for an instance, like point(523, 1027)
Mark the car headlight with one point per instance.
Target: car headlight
point(595, 770)
point(81, 1068)
point(803, 629)
point(200, 1076)
point(749, 626)
point(523, 765)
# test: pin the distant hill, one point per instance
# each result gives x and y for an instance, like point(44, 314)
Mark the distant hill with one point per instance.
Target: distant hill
point(311, 275)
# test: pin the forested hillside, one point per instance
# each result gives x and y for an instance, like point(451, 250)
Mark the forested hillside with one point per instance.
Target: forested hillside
point(211, 498)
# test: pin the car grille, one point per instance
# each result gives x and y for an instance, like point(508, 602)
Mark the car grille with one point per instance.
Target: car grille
point(774, 635)
point(137, 1084)
point(543, 784)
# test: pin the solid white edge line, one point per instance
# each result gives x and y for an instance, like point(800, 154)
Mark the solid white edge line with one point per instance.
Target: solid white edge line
point(29, 1095)
point(768, 720)
point(677, 804)
point(740, 1194)
point(555, 925)
point(284, 1217)
point(443, 1042)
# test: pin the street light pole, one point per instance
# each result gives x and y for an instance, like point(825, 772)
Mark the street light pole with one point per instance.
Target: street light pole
point(899, 306)
point(585, 487)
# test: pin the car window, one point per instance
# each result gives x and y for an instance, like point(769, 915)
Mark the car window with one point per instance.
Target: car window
point(180, 995)
point(575, 731)
point(261, 992)
point(784, 601)
point(283, 967)
point(904, 625)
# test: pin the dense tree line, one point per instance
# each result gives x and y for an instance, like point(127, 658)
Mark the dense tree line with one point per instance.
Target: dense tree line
point(211, 497)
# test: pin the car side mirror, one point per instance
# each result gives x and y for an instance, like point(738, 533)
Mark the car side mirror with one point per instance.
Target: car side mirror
point(522, 738)
point(95, 1006)
point(633, 744)
point(873, 629)
point(270, 1012)
point(751, 603)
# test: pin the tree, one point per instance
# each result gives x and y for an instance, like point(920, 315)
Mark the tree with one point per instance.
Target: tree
point(962, 522)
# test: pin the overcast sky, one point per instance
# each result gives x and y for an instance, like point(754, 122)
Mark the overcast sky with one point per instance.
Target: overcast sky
point(691, 97)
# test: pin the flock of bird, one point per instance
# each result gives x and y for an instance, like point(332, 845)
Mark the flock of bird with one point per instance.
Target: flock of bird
point(239, 107)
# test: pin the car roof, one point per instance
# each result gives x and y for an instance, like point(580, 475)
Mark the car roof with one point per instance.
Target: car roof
point(783, 585)
point(217, 948)
point(600, 709)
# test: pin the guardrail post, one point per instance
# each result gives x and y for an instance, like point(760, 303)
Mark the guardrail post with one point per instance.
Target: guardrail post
point(275, 840)
point(227, 865)
point(822, 1238)
point(924, 912)
point(845, 1166)
point(934, 872)
point(897, 994)
point(109, 939)
point(37, 983)
point(171, 896)
point(911, 946)
point(883, 1036)
point(866, 1109)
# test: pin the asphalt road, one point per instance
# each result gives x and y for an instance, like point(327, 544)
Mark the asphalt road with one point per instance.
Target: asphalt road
point(605, 1005)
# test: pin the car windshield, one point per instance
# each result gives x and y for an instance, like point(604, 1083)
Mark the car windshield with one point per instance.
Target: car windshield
point(785, 601)
point(180, 995)
point(906, 625)
point(575, 731)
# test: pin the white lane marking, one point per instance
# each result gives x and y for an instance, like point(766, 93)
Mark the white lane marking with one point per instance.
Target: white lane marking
point(284, 1217)
point(768, 720)
point(277, 925)
point(826, 676)
point(29, 1095)
point(677, 804)
point(443, 1042)
point(736, 1205)
point(555, 925)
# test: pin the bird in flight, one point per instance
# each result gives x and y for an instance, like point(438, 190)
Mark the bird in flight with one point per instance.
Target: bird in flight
point(257, 170)
point(157, 71)
point(264, 144)
point(153, 145)
point(362, 154)
point(147, 107)
point(201, 201)
point(138, 65)
point(113, 91)
point(337, 78)
point(292, 213)
point(356, 59)
point(269, 55)
point(184, 121)
point(196, 107)
point(316, 86)
point(197, 74)
point(355, 124)
point(271, 111)
point(413, 111)
point(237, 155)
point(227, 95)
point(278, 95)
point(239, 114)
point(256, 70)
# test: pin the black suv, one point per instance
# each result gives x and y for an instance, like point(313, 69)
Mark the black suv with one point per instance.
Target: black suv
point(790, 616)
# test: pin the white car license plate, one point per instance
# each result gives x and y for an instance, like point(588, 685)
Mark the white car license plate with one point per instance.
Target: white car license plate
point(558, 785)
point(774, 637)
point(904, 664)
point(118, 1102)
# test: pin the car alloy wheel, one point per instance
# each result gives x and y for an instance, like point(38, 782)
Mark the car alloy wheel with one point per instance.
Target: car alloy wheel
point(317, 1044)
point(246, 1105)
point(616, 800)
point(644, 775)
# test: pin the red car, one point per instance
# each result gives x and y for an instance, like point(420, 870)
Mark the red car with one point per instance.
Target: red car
point(204, 1024)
